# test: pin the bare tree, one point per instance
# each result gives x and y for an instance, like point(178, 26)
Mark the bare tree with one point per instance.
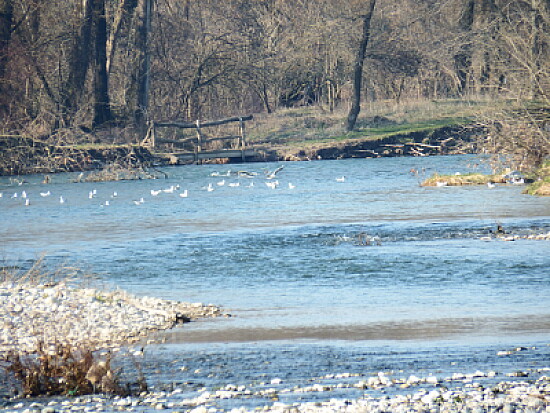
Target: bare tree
point(6, 17)
point(519, 136)
point(358, 66)
point(122, 17)
point(144, 12)
point(78, 61)
point(102, 107)
point(84, 62)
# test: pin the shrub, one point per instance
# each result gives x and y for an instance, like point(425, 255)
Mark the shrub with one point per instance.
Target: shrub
point(68, 371)
point(63, 370)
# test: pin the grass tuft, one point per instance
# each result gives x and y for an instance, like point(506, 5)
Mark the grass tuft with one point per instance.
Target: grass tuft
point(541, 186)
point(64, 370)
point(466, 179)
point(36, 274)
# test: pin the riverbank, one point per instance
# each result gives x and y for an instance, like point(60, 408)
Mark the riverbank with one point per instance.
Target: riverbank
point(526, 390)
point(416, 128)
point(35, 157)
point(385, 129)
point(23, 155)
point(445, 140)
point(49, 315)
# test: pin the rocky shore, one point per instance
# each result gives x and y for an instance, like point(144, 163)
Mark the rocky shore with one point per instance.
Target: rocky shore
point(60, 314)
point(474, 392)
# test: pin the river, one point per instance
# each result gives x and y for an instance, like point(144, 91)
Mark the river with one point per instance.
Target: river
point(291, 265)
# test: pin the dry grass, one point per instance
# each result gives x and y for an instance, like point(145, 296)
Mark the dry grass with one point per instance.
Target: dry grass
point(540, 189)
point(304, 126)
point(65, 369)
point(37, 274)
point(459, 180)
point(68, 371)
point(115, 172)
point(541, 186)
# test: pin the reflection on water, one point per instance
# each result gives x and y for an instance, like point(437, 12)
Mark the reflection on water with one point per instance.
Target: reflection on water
point(287, 263)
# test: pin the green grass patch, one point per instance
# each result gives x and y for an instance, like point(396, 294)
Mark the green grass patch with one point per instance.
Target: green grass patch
point(311, 126)
point(407, 128)
point(378, 133)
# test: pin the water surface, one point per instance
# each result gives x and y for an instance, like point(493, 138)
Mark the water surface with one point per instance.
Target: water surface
point(289, 263)
point(434, 293)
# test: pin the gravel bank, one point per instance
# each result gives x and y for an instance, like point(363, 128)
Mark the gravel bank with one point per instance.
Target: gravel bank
point(32, 314)
point(60, 313)
point(460, 393)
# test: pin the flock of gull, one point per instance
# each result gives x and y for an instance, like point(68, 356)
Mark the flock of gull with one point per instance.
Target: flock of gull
point(227, 179)
point(271, 182)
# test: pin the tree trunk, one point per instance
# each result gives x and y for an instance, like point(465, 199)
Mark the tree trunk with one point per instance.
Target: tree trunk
point(463, 60)
point(6, 18)
point(484, 14)
point(78, 64)
point(102, 107)
point(144, 14)
point(358, 67)
point(122, 18)
point(539, 45)
point(265, 98)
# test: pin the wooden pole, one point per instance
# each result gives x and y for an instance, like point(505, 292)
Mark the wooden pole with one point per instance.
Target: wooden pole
point(243, 139)
point(199, 141)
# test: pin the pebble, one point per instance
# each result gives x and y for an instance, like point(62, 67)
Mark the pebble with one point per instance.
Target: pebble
point(104, 318)
point(515, 237)
point(62, 314)
point(514, 396)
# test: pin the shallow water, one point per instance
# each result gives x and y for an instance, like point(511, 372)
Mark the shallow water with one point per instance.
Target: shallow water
point(261, 365)
point(287, 264)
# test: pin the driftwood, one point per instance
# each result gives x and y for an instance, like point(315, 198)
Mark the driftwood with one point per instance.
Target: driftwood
point(423, 145)
point(417, 152)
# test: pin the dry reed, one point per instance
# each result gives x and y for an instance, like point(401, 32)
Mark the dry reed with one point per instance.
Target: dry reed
point(66, 370)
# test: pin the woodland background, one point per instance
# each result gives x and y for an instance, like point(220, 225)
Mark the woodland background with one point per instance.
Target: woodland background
point(87, 65)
